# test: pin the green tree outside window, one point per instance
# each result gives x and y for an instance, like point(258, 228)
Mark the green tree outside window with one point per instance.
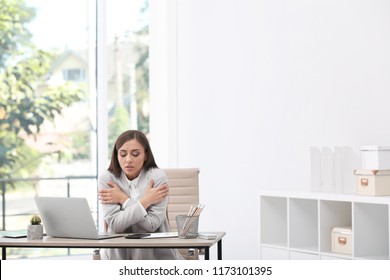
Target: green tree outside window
point(26, 101)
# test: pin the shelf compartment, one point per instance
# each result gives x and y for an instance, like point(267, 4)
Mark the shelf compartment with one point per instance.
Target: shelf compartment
point(272, 253)
point(273, 215)
point(371, 231)
point(333, 214)
point(303, 223)
point(296, 255)
point(335, 257)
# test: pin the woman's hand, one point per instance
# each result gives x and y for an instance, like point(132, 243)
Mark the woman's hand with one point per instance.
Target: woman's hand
point(154, 195)
point(113, 195)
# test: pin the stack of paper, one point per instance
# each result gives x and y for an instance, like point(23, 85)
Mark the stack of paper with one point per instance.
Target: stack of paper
point(207, 235)
point(14, 233)
point(161, 235)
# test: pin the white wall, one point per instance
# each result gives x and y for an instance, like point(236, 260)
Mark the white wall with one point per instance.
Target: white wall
point(260, 82)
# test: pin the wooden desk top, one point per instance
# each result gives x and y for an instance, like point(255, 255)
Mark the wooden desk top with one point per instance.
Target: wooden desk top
point(120, 242)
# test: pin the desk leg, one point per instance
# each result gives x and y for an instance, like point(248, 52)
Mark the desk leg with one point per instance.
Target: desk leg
point(3, 253)
point(207, 253)
point(219, 249)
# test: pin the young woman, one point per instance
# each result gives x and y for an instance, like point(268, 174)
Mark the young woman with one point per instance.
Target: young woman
point(134, 194)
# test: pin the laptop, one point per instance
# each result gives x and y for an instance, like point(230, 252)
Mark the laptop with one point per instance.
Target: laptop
point(68, 217)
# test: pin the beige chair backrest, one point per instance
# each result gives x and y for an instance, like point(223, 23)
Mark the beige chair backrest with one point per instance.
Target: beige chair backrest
point(183, 192)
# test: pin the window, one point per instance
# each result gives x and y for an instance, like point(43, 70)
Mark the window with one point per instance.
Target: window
point(127, 66)
point(75, 75)
point(53, 144)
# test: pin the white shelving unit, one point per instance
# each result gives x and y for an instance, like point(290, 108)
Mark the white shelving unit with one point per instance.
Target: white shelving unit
point(299, 225)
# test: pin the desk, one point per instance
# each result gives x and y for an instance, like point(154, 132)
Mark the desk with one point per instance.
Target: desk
point(120, 242)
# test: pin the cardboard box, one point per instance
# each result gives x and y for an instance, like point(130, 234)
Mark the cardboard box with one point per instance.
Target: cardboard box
point(375, 157)
point(373, 182)
point(342, 240)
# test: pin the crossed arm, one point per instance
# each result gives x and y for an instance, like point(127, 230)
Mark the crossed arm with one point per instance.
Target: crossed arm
point(116, 195)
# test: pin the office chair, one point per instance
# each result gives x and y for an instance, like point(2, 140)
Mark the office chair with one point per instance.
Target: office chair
point(183, 193)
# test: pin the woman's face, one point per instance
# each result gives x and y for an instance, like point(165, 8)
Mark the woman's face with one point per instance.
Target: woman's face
point(131, 157)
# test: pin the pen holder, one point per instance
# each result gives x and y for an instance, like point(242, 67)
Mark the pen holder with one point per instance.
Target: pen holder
point(187, 226)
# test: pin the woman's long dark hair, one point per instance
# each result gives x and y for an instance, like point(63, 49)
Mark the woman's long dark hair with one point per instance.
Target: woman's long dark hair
point(128, 135)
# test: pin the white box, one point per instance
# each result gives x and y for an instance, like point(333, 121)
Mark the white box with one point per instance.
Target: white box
point(342, 240)
point(373, 182)
point(375, 157)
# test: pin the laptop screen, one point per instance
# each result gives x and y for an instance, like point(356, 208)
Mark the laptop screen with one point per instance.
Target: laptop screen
point(68, 217)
